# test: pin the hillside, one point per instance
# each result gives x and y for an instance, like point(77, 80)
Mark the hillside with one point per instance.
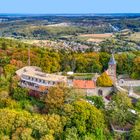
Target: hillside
point(51, 60)
point(63, 113)
point(67, 92)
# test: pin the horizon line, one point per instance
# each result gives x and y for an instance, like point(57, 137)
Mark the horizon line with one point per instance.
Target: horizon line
point(74, 13)
point(68, 14)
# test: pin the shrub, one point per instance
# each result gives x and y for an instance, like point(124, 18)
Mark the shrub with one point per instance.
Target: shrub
point(20, 93)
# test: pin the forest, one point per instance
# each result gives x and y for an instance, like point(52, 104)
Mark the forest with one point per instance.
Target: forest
point(16, 53)
point(63, 113)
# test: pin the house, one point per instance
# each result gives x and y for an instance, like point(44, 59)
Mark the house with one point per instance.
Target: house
point(128, 83)
point(84, 84)
point(89, 86)
point(33, 78)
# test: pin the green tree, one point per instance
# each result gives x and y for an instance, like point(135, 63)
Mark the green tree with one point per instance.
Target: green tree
point(135, 134)
point(71, 133)
point(136, 68)
point(4, 45)
point(48, 137)
point(20, 93)
point(86, 119)
point(98, 101)
point(104, 59)
point(9, 70)
point(137, 105)
point(119, 109)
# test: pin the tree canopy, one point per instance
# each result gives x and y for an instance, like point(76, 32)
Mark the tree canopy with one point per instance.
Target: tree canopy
point(104, 80)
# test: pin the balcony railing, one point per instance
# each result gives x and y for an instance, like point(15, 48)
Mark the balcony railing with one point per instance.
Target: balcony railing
point(32, 87)
point(36, 82)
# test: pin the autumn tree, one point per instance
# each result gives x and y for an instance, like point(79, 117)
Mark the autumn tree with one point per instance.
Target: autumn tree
point(136, 68)
point(60, 94)
point(104, 80)
point(55, 98)
point(19, 124)
point(23, 134)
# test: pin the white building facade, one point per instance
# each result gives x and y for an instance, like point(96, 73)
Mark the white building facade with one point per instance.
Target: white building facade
point(33, 78)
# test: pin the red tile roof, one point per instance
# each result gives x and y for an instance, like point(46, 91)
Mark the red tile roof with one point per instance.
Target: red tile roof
point(84, 84)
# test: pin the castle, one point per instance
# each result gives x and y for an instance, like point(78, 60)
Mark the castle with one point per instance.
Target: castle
point(33, 78)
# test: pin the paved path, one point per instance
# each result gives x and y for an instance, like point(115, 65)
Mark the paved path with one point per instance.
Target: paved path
point(121, 89)
point(119, 130)
point(134, 95)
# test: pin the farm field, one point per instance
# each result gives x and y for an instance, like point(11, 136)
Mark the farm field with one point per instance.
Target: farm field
point(95, 37)
point(135, 36)
point(37, 42)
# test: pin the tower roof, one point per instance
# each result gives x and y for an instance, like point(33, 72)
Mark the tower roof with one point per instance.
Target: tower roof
point(112, 60)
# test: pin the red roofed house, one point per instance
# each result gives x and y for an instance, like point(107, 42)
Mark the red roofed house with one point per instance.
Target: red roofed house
point(84, 84)
point(88, 85)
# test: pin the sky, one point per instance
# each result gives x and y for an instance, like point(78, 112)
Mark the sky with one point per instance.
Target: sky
point(69, 6)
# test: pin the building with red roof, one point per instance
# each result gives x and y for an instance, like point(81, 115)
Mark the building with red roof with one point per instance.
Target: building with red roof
point(84, 84)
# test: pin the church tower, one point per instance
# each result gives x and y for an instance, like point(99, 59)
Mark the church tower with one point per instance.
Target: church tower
point(112, 69)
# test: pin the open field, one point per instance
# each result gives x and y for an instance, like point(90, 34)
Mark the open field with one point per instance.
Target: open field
point(95, 37)
point(59, 25)
point(37, 42)
point(135, 36)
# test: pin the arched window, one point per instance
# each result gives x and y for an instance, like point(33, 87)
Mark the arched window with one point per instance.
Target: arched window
point(100, 92)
